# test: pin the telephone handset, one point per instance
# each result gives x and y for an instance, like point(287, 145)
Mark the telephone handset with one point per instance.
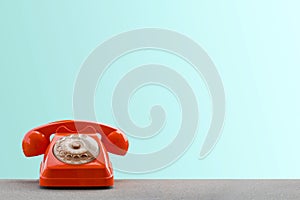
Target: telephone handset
point(76, 156)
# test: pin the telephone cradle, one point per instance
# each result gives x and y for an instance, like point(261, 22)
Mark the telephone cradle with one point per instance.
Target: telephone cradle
point(77, 154)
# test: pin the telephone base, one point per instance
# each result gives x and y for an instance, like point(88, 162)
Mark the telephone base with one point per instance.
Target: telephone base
point(76, 182)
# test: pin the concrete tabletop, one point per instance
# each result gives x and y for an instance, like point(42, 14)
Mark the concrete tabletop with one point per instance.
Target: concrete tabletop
point(158, 189)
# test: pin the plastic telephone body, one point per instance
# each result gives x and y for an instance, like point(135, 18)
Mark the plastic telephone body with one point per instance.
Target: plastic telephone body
point(76, 156)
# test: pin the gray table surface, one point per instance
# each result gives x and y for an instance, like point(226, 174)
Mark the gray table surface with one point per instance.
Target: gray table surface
point(159, 189)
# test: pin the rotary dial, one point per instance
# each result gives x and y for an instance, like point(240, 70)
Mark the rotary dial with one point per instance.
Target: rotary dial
point(76, 149)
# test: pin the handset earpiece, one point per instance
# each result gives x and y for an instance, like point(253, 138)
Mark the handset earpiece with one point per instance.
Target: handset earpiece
point(35, 143)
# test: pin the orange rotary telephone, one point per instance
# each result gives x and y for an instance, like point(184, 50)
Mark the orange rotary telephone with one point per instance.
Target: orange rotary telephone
point(77, 155)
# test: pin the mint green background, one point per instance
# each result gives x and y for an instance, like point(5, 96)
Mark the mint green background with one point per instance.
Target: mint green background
point(255, 46)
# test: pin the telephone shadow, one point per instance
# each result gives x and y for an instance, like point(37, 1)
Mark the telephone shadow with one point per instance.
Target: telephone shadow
point(77, 188)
